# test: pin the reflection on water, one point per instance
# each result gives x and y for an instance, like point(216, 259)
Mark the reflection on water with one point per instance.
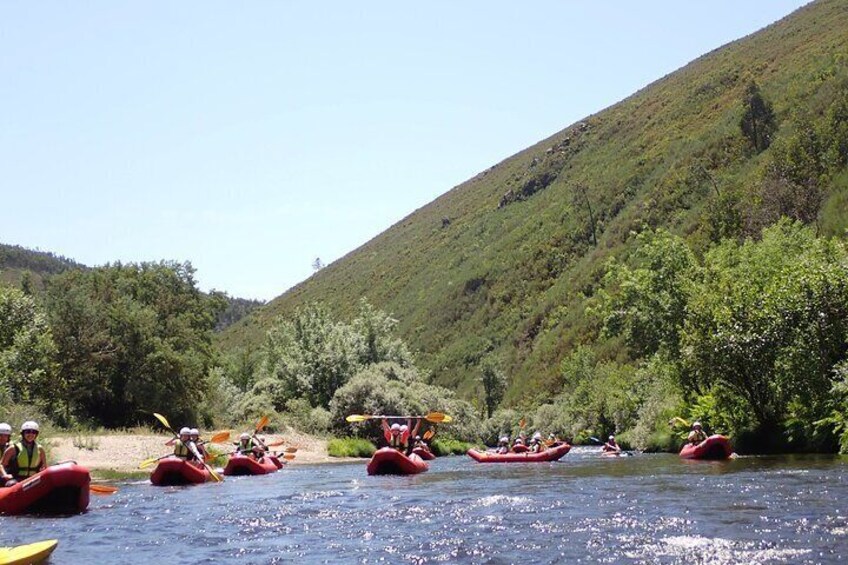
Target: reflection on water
point(642, 509)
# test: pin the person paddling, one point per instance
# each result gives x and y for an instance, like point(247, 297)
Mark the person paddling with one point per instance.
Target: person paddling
point(6, 480)
point(25, 458)
point(184, 448)
point(503, 445)
point(248, 447)
point(536, 443)
point(194, 437)
point(697, 435)
point(611, 445)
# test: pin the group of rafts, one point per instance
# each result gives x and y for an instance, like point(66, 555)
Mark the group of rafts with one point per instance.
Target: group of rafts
point(403, 457)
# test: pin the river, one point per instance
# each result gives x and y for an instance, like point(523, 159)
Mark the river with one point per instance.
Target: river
point(586, 509)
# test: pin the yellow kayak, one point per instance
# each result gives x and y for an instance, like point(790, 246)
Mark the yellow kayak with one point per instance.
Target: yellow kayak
point(27, 554)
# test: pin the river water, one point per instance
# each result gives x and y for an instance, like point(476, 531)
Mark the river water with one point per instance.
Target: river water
point(582, 509)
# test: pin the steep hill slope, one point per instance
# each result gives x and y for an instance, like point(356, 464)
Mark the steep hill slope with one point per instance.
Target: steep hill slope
point(17, 263)
point(503, 264)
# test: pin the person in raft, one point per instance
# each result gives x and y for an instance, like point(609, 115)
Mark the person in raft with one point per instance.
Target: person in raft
point(536, 443)
point(503, 445)
point(518, 441)
point(6, 480)
point(25, 458)
point(611, 445)
point(194, 436)
point(248, 447)
point(697, 434)
point(184, 448)
point(397, 435)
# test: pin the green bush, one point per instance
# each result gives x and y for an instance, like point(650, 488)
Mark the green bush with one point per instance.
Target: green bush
point(449, 446)
point(350, 447)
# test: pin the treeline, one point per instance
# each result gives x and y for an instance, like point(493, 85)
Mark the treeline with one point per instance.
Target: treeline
point(43, 262)
point(107, 346)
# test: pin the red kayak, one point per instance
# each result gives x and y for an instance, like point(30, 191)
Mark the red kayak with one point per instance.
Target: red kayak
point(388, 461)
point(550, 454)
point(243, 465)
point(60, 489)
point(424, 453)
point(714, 447)
point(173, 471)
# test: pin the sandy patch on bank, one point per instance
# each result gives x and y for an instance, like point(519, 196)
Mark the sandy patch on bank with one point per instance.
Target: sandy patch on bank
point(124, 452)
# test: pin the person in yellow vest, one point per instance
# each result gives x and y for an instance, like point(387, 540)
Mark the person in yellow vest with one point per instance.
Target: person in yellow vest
point(183, 445)
point(248, 447)
point(697, 435)
point(25, 458)
point(6, 480)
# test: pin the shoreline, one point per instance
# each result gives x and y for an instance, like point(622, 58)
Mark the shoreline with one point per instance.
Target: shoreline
point(117, 456)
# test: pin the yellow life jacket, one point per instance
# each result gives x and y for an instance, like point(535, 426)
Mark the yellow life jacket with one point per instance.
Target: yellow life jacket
point(396, 441)
point(181, 450)
point(27, 461)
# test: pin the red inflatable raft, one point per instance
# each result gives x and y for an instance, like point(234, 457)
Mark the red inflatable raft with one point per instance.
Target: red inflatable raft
point(173, 471)
point(550, 454)
point(424, 453)
point(388, 461)
point(244, 465)
point(60, 489)
point(714, 447)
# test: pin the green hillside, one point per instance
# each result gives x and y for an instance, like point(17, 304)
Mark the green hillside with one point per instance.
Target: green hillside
point(19, 263)
point(505, 264)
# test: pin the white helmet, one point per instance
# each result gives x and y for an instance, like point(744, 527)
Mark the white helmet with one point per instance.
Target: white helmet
point(611, 438)
point(194, 432)
point(404, 427)
point(29, 426)
point(5, 429)
point(537, 435)
point(504, 439)
point(244, 437)
point(185, 431)
point(696, 424)
point(395, 427)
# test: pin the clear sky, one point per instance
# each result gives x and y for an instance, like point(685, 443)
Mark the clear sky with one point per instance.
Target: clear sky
point(252, 137)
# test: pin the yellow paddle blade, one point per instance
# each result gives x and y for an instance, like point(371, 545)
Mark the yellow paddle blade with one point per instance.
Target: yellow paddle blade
point(358, 417)
point(163, 420)
point(102, 489)
point(428, 434)
point(438, 418)
point(262, 423)
point(212, 472)
point(220, 437)
point(148, 462)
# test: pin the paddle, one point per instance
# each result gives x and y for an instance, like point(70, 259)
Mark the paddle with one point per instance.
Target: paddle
point(428, 435)
point(149, 462)
point(102, 489)
point(164, 422)
point(435, 417)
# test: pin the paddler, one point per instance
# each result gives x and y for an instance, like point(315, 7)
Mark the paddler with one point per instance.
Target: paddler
point(6, 480)
point(697, 434)
point(248, 447)
point(183, 445)
point(394, 436)
point(518, 442)
point(503, 445)
point(27, 457)
point(194, 436)
point(611, 445)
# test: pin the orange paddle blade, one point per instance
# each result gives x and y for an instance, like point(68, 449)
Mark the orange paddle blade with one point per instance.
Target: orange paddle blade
point(102, 489)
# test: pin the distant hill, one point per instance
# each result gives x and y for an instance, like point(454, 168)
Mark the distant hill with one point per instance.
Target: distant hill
point(18, 262)
point(503, 264)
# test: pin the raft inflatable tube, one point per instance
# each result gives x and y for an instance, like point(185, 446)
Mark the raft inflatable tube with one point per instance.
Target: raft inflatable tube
point(60, 489)
point(27, 554)
point(239, 465)
point(173, 471)
point(275, 460)
point(713, 448)
point(388, 461)
point(424, 453)
point(550, 454)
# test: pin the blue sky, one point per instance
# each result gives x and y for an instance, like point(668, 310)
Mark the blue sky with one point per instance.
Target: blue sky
point(250, 138)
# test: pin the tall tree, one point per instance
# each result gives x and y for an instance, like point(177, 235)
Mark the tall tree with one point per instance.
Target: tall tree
point(758, 121)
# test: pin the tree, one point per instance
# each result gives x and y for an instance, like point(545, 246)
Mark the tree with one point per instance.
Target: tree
point(26, 346)
point(758, 121)
point(494, 386)
point(132, 339)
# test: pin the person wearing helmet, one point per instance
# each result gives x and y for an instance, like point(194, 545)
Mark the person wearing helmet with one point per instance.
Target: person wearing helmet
point(26, 457)
point(518, 446)
point(6, 480)
point(503, 445)
point(184, 448)
point(611, 445)
point(248, 447)
point(697, 435)
point(393, 435)
point(194, 436)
